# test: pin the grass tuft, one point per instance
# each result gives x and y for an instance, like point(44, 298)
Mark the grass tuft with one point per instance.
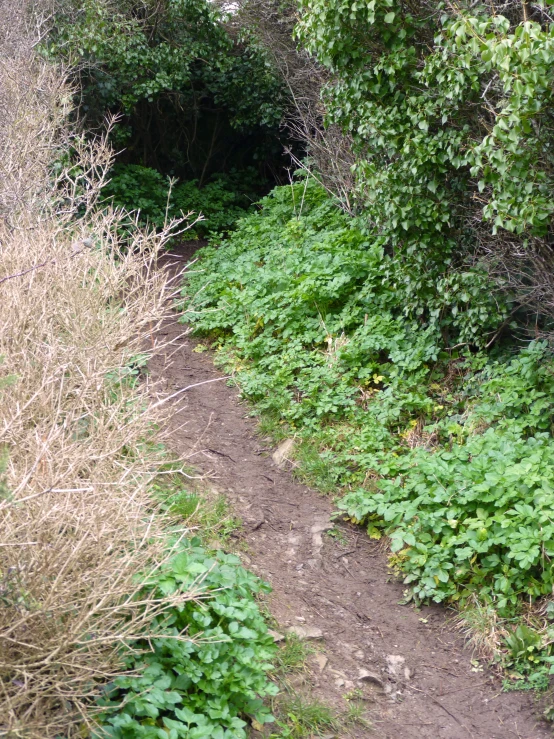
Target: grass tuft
point(292, 656)
point(303, 717)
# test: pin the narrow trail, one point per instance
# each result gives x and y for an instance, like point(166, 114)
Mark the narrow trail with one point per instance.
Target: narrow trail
point(419, 681)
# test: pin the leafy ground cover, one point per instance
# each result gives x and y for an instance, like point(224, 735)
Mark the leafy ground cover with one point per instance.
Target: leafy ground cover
point(446, 449)
point(145, 191)
point(215, 669)
point(207, 683)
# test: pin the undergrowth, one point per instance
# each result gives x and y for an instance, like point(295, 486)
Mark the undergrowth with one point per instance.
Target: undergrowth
point(397, 394)
point(292, 656)
point(207, 674)
point(221, 201)
point(209, 515)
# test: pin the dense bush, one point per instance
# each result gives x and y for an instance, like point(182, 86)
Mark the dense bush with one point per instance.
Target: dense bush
point(450, 112)
point(202, 688)
point(447, 450)
point(383, 337)
point(80, 447)
point(78, 441)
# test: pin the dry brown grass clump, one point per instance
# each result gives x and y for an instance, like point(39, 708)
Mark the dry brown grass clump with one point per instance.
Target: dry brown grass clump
point(77, 445)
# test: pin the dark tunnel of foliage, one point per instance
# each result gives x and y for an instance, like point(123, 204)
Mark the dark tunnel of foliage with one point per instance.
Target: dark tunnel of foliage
point(194, 97)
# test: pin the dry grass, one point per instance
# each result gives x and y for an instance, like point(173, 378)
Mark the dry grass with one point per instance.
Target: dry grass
point(77, 442)
point(484, 630)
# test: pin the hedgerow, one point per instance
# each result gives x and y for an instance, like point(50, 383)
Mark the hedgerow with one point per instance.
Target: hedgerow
point(406, 374)
point(93, 579)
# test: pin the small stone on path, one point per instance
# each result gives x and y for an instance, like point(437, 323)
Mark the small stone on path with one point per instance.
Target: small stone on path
point(321, 660)
point(396, 666)
point(280, 455)
point(370, 677)
point(306, 632)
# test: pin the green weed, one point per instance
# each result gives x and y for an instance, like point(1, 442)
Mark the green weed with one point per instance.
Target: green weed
point(337, 535)
point(182, 494)
point(301, 718)
point(298, 714)
point(211, 514)
point(271, 425)
point(212, 672)
point(482, 626)
point(356, 713)
point(221, 202)
point(292, 656)
point(537, 681)
point(313, 464)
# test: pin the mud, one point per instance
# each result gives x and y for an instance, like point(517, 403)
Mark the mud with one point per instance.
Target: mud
point(419, 680)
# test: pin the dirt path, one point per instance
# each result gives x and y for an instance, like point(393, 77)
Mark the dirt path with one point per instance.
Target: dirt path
point(419, 679)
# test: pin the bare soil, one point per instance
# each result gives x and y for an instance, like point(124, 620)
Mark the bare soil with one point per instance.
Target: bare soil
point(423, 681)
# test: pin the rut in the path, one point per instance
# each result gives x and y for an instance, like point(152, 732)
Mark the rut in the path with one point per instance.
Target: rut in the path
point(419, 679)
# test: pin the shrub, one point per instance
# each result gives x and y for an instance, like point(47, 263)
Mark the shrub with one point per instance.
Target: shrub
point(76, 518)
point(448, 112)
point(321, 312)
point(194, 96)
